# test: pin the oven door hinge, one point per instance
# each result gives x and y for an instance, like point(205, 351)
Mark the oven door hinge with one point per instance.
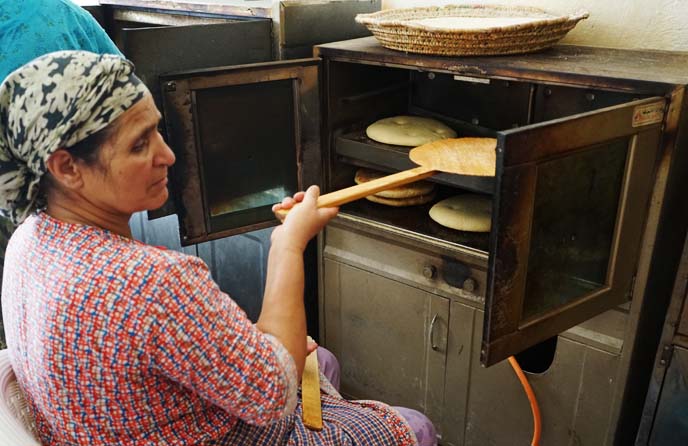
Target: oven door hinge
point(667, 353)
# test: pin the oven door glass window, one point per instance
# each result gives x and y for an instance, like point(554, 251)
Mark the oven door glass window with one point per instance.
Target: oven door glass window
point(249, 167)
point(574, 219)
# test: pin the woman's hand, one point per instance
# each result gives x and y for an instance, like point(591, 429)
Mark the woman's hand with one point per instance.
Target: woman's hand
point(302, 222)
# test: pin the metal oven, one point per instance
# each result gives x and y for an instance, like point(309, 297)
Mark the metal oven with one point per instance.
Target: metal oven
point(570, 197)
point(586, 166)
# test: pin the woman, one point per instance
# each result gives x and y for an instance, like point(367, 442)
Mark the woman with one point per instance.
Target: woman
point(117, 342)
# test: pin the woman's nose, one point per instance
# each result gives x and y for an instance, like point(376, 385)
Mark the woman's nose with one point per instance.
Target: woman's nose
point(165, 155)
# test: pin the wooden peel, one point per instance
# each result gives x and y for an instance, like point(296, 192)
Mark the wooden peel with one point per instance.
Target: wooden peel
point(310, 394)
point(463, 156)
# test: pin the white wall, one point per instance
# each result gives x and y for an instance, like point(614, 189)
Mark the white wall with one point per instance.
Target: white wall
point(648, 24)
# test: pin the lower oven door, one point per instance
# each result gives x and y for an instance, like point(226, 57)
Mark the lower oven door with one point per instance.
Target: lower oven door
point(245, 137)
point(570, 202)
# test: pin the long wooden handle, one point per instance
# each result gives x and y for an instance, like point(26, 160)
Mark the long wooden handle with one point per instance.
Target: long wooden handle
point(352, 193)
point(310, 394)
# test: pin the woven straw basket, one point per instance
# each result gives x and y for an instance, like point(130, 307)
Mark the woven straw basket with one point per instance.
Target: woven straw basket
point(428, 30)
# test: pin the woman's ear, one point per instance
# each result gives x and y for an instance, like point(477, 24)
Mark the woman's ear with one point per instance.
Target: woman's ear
point(64, 169)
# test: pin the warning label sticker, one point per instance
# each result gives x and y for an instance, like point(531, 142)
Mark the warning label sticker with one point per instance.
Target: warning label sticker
point(648, 114)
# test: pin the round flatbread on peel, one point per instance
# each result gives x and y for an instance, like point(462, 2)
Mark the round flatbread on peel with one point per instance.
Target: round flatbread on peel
point(466, 212)
point(414, 189)
point(408, 130)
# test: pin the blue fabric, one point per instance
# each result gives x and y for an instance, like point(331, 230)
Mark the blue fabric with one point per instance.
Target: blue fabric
point(32, 28)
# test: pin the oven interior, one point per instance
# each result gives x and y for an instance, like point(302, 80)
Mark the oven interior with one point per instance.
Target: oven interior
point(577, 197)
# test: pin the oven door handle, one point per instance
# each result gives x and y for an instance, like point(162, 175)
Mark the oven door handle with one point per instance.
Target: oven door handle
point(432, 332)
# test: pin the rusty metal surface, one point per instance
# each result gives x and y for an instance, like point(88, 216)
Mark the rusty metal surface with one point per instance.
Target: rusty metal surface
point(639, 71)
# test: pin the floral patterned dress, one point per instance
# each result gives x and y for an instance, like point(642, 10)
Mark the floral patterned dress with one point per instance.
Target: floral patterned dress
point(118, 342)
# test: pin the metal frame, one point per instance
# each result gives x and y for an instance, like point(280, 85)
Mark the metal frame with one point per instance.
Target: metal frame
point(181, 128)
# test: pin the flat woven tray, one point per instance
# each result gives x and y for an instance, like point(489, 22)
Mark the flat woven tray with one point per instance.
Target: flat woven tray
point(469, 30)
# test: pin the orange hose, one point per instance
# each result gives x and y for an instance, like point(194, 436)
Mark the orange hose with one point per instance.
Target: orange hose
point(537, 422)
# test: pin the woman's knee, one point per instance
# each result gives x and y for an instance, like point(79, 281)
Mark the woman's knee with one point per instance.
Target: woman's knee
point(421, 425)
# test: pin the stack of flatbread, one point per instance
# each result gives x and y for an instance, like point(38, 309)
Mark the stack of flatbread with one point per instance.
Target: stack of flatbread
point(419, 192)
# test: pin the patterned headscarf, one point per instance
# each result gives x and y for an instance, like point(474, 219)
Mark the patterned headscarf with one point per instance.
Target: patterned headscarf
point(54, 102)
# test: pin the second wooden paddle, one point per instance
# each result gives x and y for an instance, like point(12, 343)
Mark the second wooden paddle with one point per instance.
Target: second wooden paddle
point(310, 394)
point(463, 156)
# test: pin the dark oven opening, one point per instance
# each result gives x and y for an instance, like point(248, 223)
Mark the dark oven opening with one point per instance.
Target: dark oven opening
point(359, 95)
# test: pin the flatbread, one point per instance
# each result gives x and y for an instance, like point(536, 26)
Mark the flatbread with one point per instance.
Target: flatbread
point(473, 23)
point(405, 191)
point(408, 131)
point(466, 212)
point(401, 202)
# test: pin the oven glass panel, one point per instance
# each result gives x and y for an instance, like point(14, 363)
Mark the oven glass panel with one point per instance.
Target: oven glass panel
point(575, 213)
point(246, 168)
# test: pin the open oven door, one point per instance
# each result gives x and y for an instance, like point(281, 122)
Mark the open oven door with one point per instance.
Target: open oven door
point(245, 137)
point(569, 209)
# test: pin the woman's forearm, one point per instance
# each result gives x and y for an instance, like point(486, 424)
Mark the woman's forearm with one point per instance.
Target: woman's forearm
point(283, 314)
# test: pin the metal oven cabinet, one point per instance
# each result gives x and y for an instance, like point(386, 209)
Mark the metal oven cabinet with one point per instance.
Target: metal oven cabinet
point(591, 153)
point(585, 231)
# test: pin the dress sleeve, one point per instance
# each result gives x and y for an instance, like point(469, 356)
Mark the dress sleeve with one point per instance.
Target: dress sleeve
point(204, 341)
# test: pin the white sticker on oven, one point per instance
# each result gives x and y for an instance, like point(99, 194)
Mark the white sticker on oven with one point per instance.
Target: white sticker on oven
point(648, 114)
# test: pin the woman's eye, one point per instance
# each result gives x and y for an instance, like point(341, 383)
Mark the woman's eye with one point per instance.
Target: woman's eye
point(140, 145)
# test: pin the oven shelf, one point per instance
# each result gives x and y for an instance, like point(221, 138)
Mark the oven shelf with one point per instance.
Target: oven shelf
point(417, 220)
point(356, 146)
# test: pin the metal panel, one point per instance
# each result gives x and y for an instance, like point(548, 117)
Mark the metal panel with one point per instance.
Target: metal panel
point(160, 50)
point(553, 101)
point(404, 261)
point(671, 421)
point(497, 104)
point(159, 232)
point(522, 155)
point(372, 323)
point(498, 412)
point(309, 23)
point(462, 321)
point(239, 267)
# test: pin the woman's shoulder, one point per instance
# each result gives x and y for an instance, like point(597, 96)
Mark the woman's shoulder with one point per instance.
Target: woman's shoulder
point(89, 244)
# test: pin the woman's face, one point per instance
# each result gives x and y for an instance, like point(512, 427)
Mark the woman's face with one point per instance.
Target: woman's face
point(133, 163)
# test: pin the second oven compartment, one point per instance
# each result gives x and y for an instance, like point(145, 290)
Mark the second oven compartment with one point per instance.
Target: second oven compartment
point(574, 175)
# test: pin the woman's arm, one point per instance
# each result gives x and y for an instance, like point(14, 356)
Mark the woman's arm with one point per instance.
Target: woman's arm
point(283, 314)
